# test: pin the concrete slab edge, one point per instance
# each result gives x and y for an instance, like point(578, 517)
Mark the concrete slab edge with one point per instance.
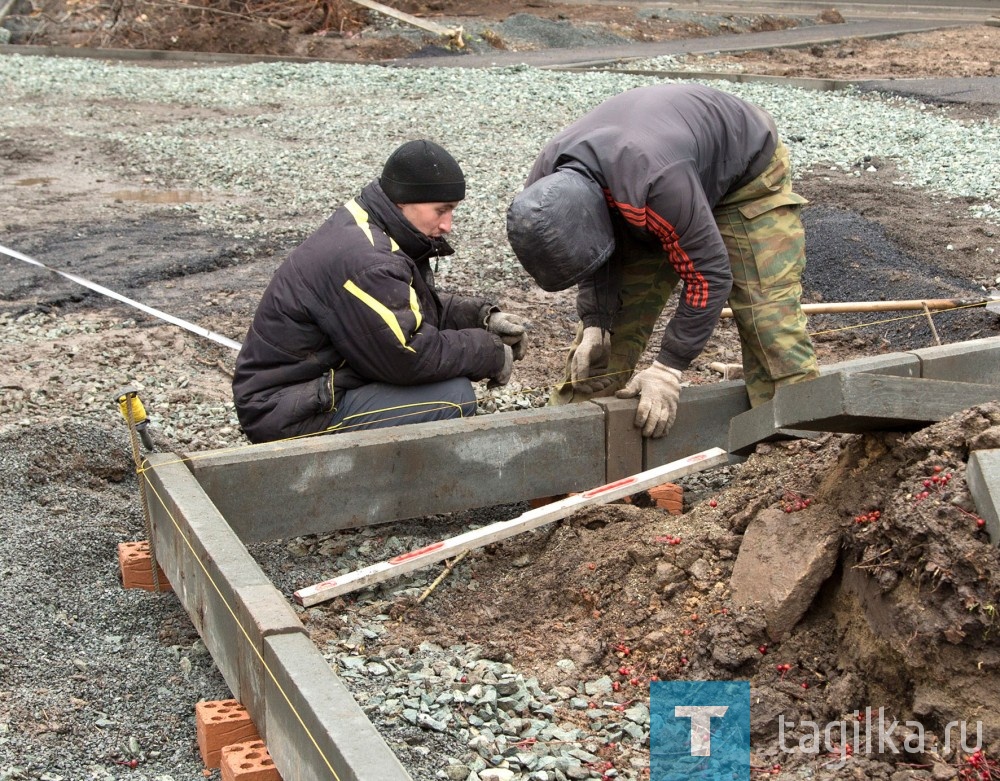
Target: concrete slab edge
point(973, 362)
point(353, 479)
point(315, 731)
point(849, 402)
point(983, 477)
point(313, 727)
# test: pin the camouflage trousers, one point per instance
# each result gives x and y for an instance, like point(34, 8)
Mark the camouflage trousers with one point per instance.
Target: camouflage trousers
point(764, 237)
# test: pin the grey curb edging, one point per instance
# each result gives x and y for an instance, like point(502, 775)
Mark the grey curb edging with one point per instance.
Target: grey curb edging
point(308, 720)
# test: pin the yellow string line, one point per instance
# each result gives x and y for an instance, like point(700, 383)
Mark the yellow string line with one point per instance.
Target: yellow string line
point(340, 427)
point(442, 405)
point(922, 314)
point(142, 476)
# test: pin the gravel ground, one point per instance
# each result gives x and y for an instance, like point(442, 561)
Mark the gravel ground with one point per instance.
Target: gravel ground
point(92, 676)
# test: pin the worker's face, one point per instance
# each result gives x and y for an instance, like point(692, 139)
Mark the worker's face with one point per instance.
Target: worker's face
point(431, 219)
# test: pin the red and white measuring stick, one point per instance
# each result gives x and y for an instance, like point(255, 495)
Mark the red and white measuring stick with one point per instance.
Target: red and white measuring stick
point(477, 538)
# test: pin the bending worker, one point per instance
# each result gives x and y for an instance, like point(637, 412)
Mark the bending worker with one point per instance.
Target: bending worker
point(659, 185)
point(351, 333)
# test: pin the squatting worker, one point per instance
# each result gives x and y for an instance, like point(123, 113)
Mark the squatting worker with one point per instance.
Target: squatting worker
point(351, 332)
point(660, 185)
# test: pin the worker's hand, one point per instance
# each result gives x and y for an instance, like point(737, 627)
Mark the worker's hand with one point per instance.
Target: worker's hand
point(588, 371)
point(502, 377)
point(512, 330)
point(658, 389)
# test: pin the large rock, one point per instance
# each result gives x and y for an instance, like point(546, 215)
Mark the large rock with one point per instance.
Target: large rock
point(783, 561)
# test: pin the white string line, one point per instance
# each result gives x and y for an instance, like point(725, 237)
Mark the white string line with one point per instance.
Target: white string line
point(197, 329)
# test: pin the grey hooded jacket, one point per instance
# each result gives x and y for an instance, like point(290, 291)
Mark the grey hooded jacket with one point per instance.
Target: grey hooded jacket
point(664, 156)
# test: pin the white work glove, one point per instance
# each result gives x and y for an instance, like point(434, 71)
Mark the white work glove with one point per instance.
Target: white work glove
point(502, 377)
point(588, 371)
point(512, 330)
point(658, 389)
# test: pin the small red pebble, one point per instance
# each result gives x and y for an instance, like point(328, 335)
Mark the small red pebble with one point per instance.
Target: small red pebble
point(762, 649)
point(694, 616)
point(980, 523)
point(938, 468)
point(591, 565)
point(805, 685)
point(616, 686)
point(634, 681)
point(713, 503)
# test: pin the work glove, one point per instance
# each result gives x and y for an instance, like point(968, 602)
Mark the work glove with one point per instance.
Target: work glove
point(502, 377)
point(512, 330)
point(658, 389)
point(588, 370)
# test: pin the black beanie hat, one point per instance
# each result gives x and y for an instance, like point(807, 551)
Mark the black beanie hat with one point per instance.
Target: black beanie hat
point(422, 172)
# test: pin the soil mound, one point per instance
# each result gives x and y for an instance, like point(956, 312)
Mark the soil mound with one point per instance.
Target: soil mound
point(906, 622)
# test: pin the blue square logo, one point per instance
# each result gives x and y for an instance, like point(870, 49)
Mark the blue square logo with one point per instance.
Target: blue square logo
point(699, 730)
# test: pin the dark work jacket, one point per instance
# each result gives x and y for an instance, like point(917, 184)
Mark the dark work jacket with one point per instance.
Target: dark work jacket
point(665, 155)
point(353, 304)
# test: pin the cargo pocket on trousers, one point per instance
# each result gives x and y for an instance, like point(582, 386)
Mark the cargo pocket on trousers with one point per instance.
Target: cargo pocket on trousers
point(776, 240)
point(755, 208)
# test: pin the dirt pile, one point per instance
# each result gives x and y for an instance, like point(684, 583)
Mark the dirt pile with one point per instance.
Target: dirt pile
point(959, 52)
point(907, 621)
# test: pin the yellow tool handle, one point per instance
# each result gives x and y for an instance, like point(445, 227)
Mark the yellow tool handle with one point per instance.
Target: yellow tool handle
point(129, 399)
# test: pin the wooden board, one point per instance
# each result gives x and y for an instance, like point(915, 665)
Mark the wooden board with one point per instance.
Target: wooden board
point(478, 538)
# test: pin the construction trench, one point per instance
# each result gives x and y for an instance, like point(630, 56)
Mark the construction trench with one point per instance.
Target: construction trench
point(206, 507)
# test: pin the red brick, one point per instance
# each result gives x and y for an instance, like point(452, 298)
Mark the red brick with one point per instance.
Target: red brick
point(669, 497)
point(221, 723)
point(136, 562)
point(249, 761)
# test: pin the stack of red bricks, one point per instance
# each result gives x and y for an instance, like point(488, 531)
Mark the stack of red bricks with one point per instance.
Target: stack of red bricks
point(228, 740)
point(227, 737)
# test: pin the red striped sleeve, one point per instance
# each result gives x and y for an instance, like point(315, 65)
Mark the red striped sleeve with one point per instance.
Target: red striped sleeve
point(695, 285)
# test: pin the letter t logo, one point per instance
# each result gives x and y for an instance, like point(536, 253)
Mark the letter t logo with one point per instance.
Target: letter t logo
point(701, 725)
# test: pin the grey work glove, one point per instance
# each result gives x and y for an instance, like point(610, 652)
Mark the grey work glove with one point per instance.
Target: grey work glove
point(588, 370)
point(502, 377)
point(658, 389)
point(512, 330)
